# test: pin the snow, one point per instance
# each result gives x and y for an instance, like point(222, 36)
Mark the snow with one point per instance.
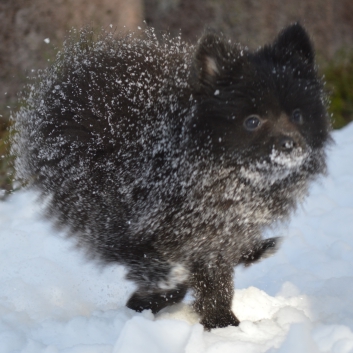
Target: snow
point(300, 300)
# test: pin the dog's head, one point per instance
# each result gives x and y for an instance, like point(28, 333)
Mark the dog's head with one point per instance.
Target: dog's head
point(263, 108)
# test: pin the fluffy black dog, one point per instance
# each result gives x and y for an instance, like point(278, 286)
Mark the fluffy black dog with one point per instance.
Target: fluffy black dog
point(172, 159)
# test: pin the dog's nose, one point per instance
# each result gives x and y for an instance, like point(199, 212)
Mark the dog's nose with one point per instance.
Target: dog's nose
point(286, 144)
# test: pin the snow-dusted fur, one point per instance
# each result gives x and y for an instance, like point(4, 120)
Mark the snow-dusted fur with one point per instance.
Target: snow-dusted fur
point(172, 159)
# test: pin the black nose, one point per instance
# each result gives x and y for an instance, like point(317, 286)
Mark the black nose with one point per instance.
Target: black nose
point(286, 144)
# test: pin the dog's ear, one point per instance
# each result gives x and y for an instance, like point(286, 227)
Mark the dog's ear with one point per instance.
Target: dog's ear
point(294, 41)
point(211, 58)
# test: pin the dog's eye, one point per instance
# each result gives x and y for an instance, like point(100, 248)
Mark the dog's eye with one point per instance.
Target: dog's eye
point(297, 117)
point(252, 122)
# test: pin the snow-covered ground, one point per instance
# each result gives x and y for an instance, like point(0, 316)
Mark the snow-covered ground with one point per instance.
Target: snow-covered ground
point(300, 300)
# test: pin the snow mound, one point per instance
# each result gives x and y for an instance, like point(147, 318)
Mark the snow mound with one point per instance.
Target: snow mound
point(300, 300)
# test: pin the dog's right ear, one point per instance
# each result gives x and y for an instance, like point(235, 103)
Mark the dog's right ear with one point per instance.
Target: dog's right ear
point(209, 61)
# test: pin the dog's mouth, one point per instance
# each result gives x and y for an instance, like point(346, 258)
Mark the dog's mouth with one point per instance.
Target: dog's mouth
point(275, 167)
point(291, 160)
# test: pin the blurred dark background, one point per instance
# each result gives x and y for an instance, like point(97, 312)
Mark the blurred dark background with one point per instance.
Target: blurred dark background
point(31, 31)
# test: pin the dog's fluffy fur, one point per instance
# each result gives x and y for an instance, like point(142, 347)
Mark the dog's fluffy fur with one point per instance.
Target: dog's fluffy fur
point(171, 159)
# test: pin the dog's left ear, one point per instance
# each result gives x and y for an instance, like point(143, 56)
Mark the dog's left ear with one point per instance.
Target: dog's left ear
point(294, 41)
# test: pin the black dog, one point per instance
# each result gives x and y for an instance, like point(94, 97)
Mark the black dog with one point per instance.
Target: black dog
point(172, 159)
